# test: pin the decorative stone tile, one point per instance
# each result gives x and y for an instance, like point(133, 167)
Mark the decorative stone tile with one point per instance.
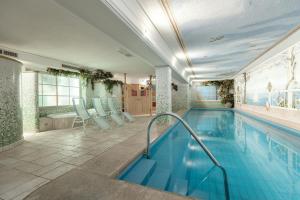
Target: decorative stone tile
point(163, 89)
point(10, 106)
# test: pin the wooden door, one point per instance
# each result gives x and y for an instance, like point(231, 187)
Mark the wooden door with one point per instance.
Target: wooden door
point(137, 99)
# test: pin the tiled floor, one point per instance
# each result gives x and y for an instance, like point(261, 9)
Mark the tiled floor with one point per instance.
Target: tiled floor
point(44, 157)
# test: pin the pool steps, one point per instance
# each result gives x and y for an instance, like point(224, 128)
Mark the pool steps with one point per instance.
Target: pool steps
point(179, 186)
point(146, 172)
point(159, 179)
point(142, 170)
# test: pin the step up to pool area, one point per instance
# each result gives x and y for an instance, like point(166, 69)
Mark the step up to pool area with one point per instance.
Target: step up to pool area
point(159, 179)
point(140, 172)
point(147, 173)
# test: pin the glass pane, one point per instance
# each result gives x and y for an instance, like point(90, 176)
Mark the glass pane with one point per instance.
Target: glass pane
point(63, 90)
point(40, 101)
point(74, 82)
point(74, 92)
point(208, 92)
point(63, 101)
point(61, 80)
point(49, 90)
point(49, 100)
point(48, 79)
point(40, 89)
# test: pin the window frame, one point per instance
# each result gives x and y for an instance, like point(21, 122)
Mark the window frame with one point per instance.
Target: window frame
point(41, 94)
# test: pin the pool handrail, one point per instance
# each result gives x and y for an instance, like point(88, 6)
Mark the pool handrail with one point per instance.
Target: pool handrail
point(194, 135)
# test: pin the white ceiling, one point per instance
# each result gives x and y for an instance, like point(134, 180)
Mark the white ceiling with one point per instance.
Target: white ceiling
point(223, 37)
point(85, 33)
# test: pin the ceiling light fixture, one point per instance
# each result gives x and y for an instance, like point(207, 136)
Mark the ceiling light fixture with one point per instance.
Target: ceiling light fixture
point(124, 52)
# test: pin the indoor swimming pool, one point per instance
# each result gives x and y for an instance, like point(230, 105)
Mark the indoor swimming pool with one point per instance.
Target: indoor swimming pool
point(262, 160)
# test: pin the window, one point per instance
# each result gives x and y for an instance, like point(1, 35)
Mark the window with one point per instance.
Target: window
point(208, 92)
point(57, 90)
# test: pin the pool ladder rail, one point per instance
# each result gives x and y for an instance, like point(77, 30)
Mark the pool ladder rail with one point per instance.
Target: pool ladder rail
point(202, 145)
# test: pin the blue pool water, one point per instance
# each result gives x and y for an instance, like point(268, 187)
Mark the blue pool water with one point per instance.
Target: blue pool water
point(262, 160)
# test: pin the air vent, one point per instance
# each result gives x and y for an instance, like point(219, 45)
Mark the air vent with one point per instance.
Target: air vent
point(8, 53)
point(124, 52)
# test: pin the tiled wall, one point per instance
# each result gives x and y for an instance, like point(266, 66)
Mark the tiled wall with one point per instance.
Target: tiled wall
point(10, 104)
point(30, 102)
point(163, 89)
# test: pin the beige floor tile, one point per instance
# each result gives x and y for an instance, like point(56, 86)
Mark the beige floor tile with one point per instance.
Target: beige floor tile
point(11, 178)
point(27, 166)
point(24, 189)
point(48, 160)
point(48, 168)
point(39, 154)
point(78, 160)
point(7, 161)
point(52, 155)
point(52, 174)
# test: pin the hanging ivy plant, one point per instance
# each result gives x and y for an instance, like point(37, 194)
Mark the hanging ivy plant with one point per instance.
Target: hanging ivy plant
point(111, 83)
point(92, 77)
point(60, 72)
point(100, 75)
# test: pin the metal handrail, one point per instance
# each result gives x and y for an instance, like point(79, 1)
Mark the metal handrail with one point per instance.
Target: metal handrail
point(193, 134)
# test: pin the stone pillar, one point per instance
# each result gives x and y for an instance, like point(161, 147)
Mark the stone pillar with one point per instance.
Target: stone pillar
point(11, 130)
point(30, 102)
point(163, 89)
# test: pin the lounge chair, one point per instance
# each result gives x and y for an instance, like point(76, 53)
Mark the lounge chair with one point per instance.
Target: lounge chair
point(83, 115)
point(115, 109)
point(101, 112)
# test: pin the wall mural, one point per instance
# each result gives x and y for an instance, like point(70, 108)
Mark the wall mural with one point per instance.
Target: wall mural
point(180, 97)
point(274, 83)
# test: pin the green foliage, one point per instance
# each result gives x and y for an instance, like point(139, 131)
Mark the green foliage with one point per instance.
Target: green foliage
point(225, 90)
point(109, 83)
point(60, 72)
point(92, 77)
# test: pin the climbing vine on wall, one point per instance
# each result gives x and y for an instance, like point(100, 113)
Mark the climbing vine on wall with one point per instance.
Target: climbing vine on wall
point(90, 77)
point(225, 90)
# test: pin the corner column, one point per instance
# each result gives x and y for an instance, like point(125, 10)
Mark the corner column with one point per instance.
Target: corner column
point(163, 89)
point(11, 130)
point(30, 102)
